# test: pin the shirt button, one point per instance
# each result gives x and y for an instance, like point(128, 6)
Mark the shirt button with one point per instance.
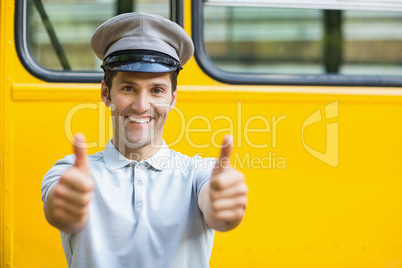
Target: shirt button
point(139, 183)
point(143, 164)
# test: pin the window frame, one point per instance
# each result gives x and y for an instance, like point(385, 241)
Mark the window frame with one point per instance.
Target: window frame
point(233, 78)
point(33, 67)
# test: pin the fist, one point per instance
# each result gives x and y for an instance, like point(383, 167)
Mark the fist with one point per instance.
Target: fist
point(74, 191)
point(228, 189)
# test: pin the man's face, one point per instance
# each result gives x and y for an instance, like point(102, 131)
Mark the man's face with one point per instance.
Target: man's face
point(140, 103)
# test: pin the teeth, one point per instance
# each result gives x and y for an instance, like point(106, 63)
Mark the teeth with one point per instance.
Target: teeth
point(139, 120)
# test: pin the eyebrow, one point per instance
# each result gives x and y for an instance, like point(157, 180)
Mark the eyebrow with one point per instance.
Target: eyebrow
point(156, 84)
point(128, 82)
point(160, 85)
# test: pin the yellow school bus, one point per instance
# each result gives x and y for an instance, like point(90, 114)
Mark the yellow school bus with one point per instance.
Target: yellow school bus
point(310, 90)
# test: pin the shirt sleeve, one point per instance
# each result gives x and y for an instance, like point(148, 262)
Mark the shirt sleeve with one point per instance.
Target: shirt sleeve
point(54, 174)
point(204, 168)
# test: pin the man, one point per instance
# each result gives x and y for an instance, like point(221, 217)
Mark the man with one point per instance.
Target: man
point(133, 205)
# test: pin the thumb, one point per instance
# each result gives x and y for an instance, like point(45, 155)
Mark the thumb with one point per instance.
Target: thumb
point(80, 150)
point(224, 157)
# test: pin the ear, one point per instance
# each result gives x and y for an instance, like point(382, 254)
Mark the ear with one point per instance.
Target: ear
point(105, 94)
point(174, 96)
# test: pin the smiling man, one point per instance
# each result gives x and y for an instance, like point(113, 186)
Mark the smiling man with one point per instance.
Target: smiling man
point(135, 204)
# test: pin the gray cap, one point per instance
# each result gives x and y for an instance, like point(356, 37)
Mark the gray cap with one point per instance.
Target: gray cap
point(141, 42)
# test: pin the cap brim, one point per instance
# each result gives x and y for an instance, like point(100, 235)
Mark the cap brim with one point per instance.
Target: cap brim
point(140, 67)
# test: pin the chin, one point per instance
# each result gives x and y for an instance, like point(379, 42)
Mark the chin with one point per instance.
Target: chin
point(136, 141)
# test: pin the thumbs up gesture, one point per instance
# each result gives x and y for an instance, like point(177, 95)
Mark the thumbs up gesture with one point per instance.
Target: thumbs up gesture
point(227, 191)
point(67, 206)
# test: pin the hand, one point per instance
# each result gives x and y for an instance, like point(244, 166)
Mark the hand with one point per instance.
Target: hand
point(71, 196)
point(228, 189)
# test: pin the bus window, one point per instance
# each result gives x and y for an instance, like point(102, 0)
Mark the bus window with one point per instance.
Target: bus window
point(54, 43)
point(321, 41)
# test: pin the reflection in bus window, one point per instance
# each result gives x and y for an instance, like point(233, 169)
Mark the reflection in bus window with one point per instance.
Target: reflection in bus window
point(72, 23)
point(303, 41)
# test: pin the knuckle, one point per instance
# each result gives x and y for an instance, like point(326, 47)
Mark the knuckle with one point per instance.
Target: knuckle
point(69, 176)
point(243, 201)
point(88, 184)
point(58, 214)
point(86, 199)
point(81, 202)
point(67, 173)
point(58, 190)
point(71, 173)
point(83, 212)
point(215, 206)
point(77, 214)
point(243, 189)
point(238, 213)
point(241, 176)
point(57, 203)
point(214, 195)
point(247, 189)
point(237, 203)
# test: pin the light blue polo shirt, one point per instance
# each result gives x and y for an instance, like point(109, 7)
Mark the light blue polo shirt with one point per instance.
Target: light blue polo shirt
point(144, 214)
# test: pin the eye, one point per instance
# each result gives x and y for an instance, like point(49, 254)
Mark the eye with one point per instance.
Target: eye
point(127, 88)
point(157, 90)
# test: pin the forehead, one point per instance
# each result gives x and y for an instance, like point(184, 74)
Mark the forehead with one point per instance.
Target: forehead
point(143, 78)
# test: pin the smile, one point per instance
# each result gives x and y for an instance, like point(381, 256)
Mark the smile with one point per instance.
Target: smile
point(138, 120)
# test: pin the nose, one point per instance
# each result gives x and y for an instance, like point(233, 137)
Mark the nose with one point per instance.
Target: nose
point(141, 103)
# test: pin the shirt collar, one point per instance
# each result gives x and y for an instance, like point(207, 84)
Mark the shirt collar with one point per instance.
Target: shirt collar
point(160, 158)
point(115, 160)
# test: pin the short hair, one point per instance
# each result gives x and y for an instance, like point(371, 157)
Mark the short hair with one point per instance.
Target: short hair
point(109, 75)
